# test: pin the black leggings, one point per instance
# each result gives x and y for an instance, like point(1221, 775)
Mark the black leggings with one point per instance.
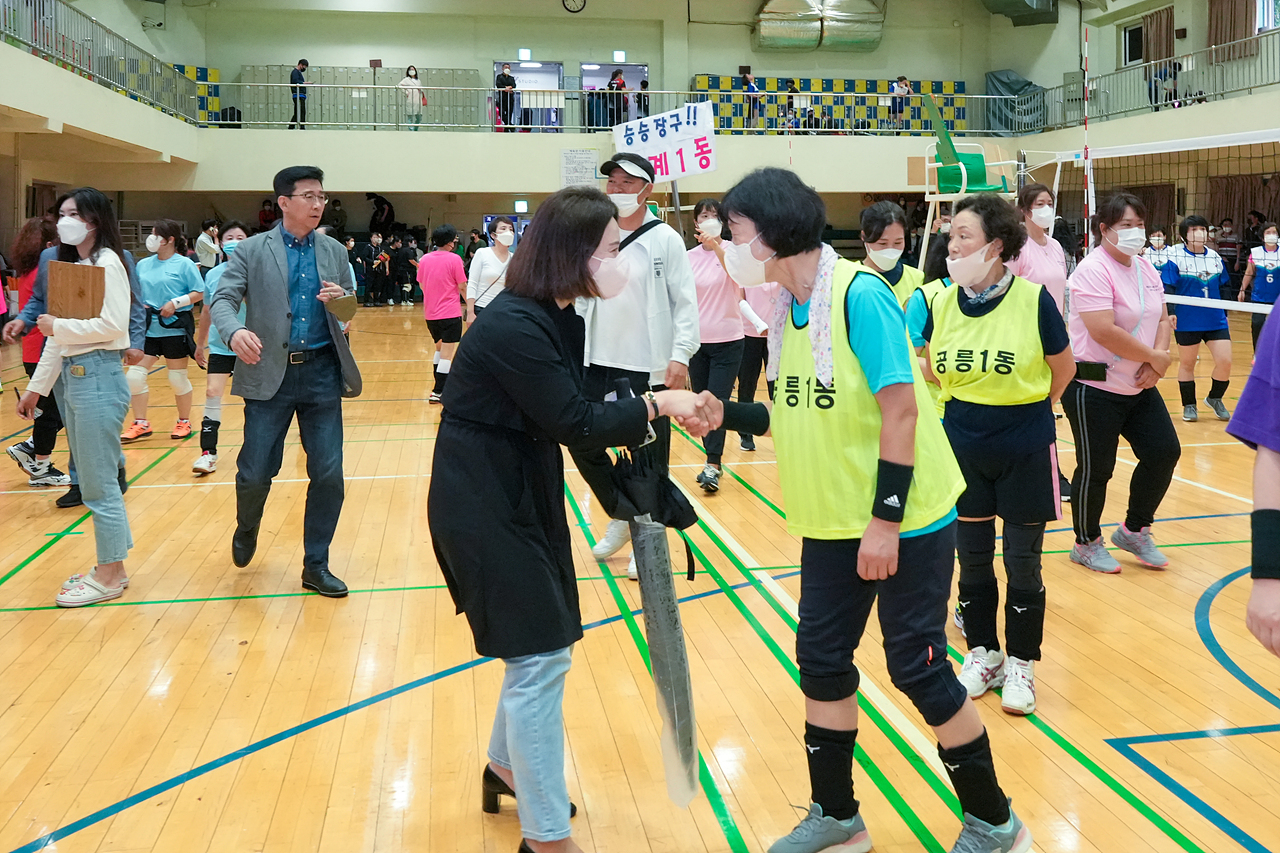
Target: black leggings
point(1257, 322)
point(713, 368)
point(755, 355)
point(1098, 420)
point(44, 433)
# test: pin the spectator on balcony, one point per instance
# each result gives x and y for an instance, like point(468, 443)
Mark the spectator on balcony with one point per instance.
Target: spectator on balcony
point(619, 105)
point(506, 86)
point(753, 98)
point(414, 98)
point(642, 100)
point(898, 104)
point(299, 92)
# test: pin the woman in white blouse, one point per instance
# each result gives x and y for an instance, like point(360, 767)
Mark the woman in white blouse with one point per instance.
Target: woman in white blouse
point(84, 356)
point(414, 98)
point(489, 266)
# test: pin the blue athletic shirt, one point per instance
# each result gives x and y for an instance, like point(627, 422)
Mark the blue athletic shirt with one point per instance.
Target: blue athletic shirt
point(917, 315)
point(1266, 274)
point(876, 321)
point(1204, 276)
point(166, 280)
point(216, 346)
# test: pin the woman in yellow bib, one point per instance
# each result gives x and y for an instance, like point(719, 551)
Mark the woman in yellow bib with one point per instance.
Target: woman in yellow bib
point(884, 236)
point(999, 349)
point(870, 483)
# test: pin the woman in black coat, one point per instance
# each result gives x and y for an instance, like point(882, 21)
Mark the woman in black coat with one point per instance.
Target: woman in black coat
point(496, 506)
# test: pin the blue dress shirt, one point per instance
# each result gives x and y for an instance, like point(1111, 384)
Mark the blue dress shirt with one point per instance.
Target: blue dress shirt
point(309, 328)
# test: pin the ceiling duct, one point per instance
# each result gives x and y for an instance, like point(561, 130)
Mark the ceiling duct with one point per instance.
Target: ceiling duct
point(1025, 13)
point(847, 25)
point(852, 24)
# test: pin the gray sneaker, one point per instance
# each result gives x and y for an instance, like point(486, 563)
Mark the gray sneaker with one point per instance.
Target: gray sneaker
point(978, 836)
point(1094, 555)
point(1141, 545)
point(1218, 409)
point(817, 833)
point(1189, 412)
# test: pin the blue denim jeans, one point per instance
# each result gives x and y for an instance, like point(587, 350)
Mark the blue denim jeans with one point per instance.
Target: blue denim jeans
point(528, 740)
point(312, 391)
point(94, 399)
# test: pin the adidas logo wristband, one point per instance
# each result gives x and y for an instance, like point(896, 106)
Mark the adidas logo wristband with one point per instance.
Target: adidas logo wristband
point(893, 481)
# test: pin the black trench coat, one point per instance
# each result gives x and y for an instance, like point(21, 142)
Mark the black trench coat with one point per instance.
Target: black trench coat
point(496, 506)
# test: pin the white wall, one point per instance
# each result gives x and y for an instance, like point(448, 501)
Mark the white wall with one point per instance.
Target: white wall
point(181, 41)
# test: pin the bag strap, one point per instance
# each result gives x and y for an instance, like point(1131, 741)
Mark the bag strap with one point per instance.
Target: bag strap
point(636, 234)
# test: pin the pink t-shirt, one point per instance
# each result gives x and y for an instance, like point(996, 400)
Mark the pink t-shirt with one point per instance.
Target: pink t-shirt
point(440, 274)
point(719, 319)
point(762, 300)
point(1136, 296)
point(1045, 265)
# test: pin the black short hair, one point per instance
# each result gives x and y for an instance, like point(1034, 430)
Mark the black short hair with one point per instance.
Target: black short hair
point(1027, 195)
point(303, 63)
point(235, 223)
point(1111, 210)
point(1227, 219)
point(1195, 220)
point(935, 260)
point(375, 233)
point(999, 221)
point(788, 214)
point(705, 205)
point(1156, 230)
point(878, 217)
point(207, 224)
point(556, 248)
point(286, 180)
point(494, 223)
point(443, 235)
point(1266, 225)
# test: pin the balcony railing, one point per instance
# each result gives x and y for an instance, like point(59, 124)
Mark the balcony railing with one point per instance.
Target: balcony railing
point(71, 39)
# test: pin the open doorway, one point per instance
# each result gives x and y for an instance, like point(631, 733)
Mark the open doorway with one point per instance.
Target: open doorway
point(607, 110)
point(536, 105)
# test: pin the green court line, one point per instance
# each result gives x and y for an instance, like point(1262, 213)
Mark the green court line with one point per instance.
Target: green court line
point(73, 525)
point(1125, 793)
point(718, 805)
point(730, 472)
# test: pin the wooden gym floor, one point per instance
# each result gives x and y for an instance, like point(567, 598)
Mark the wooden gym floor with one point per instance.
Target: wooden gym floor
point(222, 709)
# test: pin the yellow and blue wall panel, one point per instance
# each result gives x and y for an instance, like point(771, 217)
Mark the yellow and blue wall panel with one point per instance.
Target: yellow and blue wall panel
point(208, 94)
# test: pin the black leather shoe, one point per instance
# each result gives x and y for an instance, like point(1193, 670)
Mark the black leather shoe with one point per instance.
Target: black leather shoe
point(323, 582)
point(70, 499)
point(492, 786)
point(243, 545)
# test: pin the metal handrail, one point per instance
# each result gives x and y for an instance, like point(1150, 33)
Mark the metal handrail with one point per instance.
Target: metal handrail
point(61, 34)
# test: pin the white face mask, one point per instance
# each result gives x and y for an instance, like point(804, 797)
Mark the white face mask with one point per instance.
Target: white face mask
point(611, 275)
point(1130, 240)
point(506, 238)
point(627, 203)
point(1227, 229)
point(884, 259)
point(944, 228)
point(1042, 216)
point(1157, 242)
point(745, 268)
point(1270, 239)
point(72, 231)
point(710, 227)
point(154, 242)
point(971, 269)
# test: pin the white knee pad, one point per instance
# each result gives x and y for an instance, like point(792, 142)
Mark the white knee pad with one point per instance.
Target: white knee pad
point(446, 364)
point(137, 376)
point(179, 382)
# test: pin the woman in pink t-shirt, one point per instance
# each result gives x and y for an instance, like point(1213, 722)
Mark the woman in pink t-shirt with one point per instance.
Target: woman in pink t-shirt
point(714, 366)
point(1120, 334)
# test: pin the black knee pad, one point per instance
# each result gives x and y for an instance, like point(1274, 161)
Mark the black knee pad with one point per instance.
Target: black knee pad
point(927, 678)
point(1023, 546)
point(829, 688)
point(976, 550)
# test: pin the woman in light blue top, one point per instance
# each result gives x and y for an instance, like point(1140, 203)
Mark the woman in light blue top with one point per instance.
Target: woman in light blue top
point(214, 355)
point(171, 284)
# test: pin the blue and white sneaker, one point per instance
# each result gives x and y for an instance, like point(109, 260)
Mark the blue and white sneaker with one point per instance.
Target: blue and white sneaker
point(978, 836)
point(817, 833)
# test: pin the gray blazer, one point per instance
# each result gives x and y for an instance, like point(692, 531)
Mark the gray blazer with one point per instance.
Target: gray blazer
point(258, 274)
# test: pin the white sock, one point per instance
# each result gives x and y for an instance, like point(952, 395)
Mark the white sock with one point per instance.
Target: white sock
point(213, 408)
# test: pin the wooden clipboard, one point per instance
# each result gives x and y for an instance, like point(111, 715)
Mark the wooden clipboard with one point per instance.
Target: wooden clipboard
point(76, 290)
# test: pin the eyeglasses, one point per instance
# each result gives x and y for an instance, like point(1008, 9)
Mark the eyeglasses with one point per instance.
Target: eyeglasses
point(312, 198)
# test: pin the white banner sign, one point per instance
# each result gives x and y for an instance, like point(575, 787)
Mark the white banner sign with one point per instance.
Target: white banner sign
point(678, 143)
point(578, 166)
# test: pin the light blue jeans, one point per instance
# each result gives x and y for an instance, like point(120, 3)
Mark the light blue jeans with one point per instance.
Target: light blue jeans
point(94, 401)
point(528, 740)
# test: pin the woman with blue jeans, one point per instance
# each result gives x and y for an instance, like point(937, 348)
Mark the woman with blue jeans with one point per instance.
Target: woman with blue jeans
point(84, 357)
point(496, 504)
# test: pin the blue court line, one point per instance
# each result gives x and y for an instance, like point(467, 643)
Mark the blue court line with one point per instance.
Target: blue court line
point(110, 811)
point(1125, 746)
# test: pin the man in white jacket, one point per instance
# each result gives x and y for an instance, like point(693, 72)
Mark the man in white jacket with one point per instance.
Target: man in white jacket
point(646, 334)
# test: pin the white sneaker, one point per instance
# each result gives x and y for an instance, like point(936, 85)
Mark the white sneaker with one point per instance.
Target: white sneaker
point(633, 573)
point(617, 534)
point(1019, 695)
point(206, 464)
point(982, 671)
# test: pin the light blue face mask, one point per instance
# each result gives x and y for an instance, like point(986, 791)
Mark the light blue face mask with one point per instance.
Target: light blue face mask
point(229, 246)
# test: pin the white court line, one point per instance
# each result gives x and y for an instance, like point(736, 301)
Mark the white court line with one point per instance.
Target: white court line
point(1187, 482)
point(869, 688)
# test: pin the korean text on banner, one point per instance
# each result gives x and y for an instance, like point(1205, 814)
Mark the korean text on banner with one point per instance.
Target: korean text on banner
point(678, 143)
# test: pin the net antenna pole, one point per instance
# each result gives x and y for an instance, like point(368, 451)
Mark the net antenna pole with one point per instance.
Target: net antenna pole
point(1088, 164)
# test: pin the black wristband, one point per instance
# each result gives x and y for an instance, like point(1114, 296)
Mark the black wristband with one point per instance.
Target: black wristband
point(1266, 543)
point(893, 481)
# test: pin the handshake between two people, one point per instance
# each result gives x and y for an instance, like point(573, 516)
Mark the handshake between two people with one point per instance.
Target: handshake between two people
point(698, 413)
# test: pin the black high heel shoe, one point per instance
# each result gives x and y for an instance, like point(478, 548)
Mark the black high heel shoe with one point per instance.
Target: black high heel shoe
point(492, 787)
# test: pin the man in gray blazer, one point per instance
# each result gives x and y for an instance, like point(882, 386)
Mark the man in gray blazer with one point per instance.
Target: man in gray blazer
point(292, 359)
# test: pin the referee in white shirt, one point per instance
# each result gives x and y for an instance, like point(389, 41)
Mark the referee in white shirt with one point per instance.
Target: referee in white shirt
point(646, 334)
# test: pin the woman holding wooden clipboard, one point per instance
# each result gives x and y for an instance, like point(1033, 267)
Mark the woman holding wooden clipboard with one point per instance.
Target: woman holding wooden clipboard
point(83, 354)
